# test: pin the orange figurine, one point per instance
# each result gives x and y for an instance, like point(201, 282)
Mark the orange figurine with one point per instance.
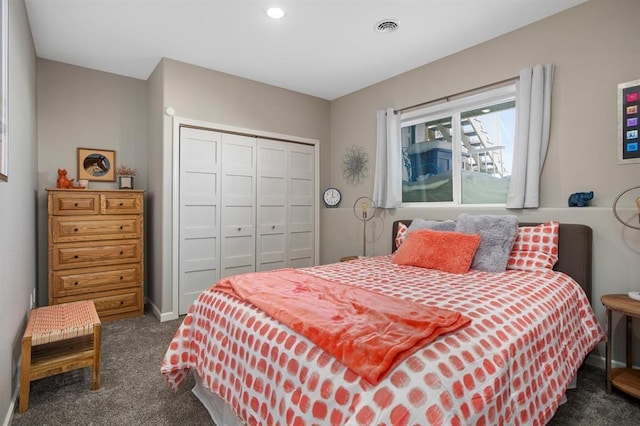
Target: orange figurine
point(63, 182)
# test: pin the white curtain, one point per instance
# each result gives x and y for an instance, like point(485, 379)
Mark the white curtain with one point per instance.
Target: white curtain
point(387, 186)
point(533, 120)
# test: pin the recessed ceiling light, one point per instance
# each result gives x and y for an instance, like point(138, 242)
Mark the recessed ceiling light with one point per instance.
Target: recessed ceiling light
point(275, 12)
point(386, 26)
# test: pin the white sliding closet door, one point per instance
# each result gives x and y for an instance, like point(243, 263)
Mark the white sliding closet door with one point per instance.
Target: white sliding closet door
point(273, 206)
point(245, 204)
point(285, 216)
point(199, 257)
point(238, 205)
point(301, 205)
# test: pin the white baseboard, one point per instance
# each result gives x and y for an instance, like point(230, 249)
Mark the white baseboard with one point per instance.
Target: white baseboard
point(162, 316)
point(601, 362)
point(12, 404)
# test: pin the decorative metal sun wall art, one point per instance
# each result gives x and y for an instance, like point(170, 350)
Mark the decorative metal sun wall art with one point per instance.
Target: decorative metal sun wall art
point(355, 163)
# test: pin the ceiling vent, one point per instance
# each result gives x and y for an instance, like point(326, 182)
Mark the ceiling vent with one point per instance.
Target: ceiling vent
point(387, 26)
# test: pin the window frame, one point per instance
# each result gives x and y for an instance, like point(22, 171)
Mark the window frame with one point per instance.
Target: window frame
point(454, 108)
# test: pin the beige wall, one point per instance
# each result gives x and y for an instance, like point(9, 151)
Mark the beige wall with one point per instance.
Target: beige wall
point(79, 107)
point(594, 48)
point(17, 206)
point(200, 94)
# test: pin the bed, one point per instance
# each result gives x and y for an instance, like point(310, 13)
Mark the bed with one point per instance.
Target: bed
point(528, 335)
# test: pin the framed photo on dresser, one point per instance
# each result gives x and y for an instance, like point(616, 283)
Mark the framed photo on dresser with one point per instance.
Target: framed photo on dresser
point(97, 164)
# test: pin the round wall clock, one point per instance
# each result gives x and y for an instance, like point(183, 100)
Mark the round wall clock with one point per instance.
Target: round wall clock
point(331, 197)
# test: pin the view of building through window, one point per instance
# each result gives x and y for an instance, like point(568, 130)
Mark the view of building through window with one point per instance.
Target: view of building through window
point(460, 155)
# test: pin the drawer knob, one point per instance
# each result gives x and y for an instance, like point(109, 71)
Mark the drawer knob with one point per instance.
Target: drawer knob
point(75, 229)
point(121, 227)
point(273, 227)
point(76, 283)
point(122, 302)
point(121, 277)
point(75, 256)
point(121, 253)
point(239, 229)
point(75, 205)
point(121, 204)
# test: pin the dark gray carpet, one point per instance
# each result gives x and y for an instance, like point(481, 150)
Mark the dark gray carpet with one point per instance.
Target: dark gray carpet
point(134, 393)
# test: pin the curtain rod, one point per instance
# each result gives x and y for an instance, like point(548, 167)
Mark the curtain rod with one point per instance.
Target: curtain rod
point(464, 92)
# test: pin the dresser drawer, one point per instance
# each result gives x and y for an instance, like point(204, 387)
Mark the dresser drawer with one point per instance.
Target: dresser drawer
point(78, 255)
point(121, 203)
point(84, 281)
point(90, 228)
point(112, 305)
point(75, 203)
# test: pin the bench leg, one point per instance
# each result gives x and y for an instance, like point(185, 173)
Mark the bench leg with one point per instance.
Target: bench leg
point(25, 380)
point(97, 338)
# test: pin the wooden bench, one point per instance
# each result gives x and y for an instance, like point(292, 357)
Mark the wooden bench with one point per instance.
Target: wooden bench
point(58, 339)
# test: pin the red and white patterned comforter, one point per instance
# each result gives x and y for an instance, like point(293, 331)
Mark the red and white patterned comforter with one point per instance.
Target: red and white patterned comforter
point(530, 332)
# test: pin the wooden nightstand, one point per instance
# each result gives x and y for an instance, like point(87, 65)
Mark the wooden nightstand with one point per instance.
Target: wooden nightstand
point(625, 379)
point(348, 258)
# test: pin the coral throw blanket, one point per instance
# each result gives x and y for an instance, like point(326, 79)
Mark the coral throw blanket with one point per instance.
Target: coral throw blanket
point(368, 332)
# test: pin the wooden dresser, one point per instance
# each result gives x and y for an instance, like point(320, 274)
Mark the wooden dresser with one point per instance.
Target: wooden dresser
point(96, 244)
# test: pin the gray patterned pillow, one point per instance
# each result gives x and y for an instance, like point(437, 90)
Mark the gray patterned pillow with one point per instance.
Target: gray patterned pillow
point(498, 234)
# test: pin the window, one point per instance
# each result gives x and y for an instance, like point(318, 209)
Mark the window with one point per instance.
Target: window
point(459, 152)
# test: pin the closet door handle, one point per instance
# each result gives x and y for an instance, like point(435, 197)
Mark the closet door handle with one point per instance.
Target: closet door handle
point(239, 229)
point(273, 227)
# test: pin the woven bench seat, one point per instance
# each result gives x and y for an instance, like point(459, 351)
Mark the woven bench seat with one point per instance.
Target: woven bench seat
point(58, 339)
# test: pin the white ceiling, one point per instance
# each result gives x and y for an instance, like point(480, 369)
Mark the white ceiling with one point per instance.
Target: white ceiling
point(324, 48)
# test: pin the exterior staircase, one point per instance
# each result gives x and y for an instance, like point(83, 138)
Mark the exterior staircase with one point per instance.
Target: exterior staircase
point(479, 153)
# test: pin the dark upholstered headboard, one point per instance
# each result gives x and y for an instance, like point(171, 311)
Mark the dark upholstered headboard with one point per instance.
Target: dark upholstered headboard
point(574, 251)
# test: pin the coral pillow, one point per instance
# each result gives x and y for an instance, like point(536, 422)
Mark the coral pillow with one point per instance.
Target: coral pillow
point(442, 250)
point(436, 225)
point(535, 248)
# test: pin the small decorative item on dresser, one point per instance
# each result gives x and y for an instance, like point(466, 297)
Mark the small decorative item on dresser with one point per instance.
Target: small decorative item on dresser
point(63, 182)
point(125, 176)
